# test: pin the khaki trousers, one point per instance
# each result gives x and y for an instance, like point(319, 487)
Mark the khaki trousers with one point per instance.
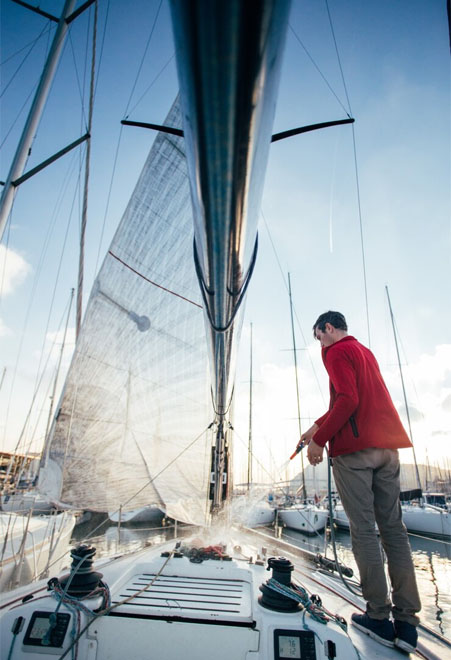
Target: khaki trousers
point(368, 484)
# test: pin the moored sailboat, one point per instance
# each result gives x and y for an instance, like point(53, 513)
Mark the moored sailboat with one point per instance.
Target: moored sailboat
point(32, 547)
point(205, 598)
point(423, 518)
point(300, 514)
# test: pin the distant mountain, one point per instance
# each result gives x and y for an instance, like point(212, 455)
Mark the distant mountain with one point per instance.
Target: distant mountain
point(432, 478)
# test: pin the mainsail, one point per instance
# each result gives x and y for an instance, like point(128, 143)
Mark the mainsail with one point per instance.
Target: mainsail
point(131, 425)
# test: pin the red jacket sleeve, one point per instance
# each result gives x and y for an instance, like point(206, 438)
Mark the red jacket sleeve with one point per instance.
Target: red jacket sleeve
point(346, 399)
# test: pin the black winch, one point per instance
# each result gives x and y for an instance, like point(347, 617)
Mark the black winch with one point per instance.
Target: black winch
point(82, 579)
point(272, 600)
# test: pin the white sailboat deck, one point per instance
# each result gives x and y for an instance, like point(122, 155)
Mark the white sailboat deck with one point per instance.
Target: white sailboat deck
point(170, 607)
point(187, 592)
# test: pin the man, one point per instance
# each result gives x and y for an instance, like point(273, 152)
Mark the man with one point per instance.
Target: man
point(364, 432)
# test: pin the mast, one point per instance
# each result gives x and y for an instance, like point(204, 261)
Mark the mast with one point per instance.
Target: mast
point(84, 218)
point(297, 381)
point(249, 451)
point(229, 58)
point(52, 397)
point(403, 388)
point(18, 165)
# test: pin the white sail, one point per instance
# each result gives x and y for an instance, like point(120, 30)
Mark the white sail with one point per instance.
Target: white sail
point(131, 425)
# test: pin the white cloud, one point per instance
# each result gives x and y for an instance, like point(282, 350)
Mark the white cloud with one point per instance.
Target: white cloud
point(275, 427)
point(13, 270)
point(4, 330)
point(54, 341)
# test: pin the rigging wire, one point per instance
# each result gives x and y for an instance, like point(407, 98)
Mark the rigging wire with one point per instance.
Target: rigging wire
point(107, 15)
point(33, 44)
point(294, 308)
point(5, 249)
point(359, 206)
point(319, 71)
point(143, 58)
point(35, 285)
point(46, 27)
point(60, 263)
point(51, 380)
point(254, 457)
point(80, 86)
point(151, 84)
point(84, 214)
point(127, 111)
point(18, 114)
point(108, 200)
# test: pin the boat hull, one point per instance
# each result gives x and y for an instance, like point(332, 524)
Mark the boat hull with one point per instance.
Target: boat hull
point(46, 540)
point(426, 520)
point(260, 514)
point(340, 517)
point(142, 514)
point(24, 502)
point(307, 519)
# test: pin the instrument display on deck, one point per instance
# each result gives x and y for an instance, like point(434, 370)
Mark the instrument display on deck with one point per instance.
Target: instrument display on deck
point(294, 644)
point(40, 633)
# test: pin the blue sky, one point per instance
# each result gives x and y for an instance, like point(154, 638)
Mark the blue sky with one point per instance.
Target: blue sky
point(395, 59)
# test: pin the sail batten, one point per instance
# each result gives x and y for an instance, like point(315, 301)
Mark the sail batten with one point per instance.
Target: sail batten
point(137, 395)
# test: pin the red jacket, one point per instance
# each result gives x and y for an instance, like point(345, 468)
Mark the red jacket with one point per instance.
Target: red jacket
point(361, 413)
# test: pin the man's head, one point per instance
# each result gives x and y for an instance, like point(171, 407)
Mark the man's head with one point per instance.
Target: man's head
point(329, 328)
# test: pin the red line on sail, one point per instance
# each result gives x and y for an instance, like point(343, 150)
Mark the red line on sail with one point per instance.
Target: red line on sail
point(154, 283)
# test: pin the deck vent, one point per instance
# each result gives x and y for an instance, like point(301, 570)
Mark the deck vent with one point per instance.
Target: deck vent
point(188, 597)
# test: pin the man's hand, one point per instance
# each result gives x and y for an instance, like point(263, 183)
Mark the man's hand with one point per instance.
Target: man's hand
point(308, 435)
point(305, 439)
point(314, 453)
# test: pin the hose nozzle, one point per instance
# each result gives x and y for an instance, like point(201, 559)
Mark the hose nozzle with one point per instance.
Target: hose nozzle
point(297, 450)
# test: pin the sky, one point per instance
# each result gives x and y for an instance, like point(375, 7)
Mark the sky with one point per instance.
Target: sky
point(395, 63)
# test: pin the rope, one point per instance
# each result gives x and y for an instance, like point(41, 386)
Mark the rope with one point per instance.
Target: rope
point(110, 608)
point(312, 605)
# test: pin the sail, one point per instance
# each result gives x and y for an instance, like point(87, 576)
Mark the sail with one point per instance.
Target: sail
point(131, 425)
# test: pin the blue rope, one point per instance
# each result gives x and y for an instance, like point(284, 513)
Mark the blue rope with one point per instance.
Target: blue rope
point(300, 595)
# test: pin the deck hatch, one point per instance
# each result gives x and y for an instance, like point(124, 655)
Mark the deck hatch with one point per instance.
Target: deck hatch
point(187, 596)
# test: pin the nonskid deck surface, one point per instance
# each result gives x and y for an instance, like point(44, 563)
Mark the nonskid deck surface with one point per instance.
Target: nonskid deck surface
point(206, 608)
point(189, 595)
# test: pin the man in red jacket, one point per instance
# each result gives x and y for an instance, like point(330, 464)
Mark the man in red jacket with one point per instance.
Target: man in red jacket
point(364, 433)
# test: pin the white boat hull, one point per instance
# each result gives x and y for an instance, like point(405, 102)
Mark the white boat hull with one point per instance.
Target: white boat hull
point(426, 520)
point(305, 518)
point(260, 514)
point(417, 519)
point(46, 543)
point(24, 502)
point(340, 517)
point(143, 514)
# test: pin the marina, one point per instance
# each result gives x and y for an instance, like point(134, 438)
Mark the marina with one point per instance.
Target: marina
point(130, 397)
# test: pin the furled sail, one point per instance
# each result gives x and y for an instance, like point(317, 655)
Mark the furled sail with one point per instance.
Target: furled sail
point(131, 425)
